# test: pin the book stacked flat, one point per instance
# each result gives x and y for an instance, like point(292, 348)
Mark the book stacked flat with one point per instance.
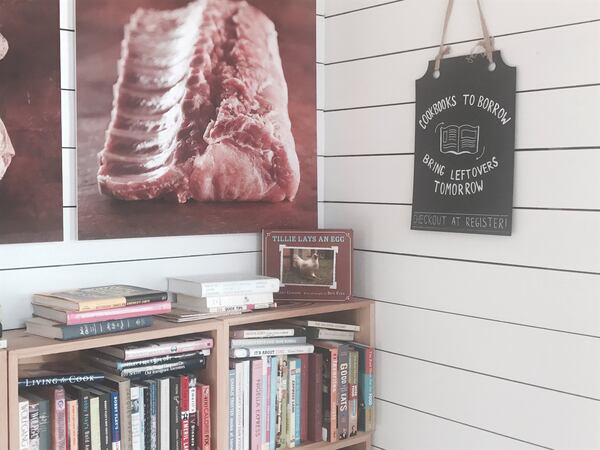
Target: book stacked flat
point(95, 311)
point(208, 296)
point(320, 330)
point(285, 391)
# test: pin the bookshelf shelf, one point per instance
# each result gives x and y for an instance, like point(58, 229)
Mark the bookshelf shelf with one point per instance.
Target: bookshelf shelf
point(24, 349)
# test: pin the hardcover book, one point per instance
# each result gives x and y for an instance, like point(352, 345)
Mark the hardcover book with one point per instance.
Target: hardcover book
point(216, 285)
point(100, 297)
point(54, 330)
point(315, 265)
point(163, 347)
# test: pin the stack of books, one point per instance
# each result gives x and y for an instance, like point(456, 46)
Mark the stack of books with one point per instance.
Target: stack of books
point(207, 296)
point(141, 396)
point(285, 391)
point(95, 311)
point(319, 330)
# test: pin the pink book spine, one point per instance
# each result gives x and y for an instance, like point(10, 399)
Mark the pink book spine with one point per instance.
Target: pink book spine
point(167, 348)
point(149, 309)
point(59, 420)
point(256, 404)
point(205, 434)
point(267, 433)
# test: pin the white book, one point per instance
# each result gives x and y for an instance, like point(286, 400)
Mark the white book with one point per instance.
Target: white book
point(23, 423)
point(256, 333)
point(222, 284)
point(324, 333)
point(239, 405)
point(262, 342)
point(95, 422)
point(165, 414)
point(225, 300)
point(271, 350)
point(291, 404)
point(246, 409)
point(321, 324)
point(136, 430)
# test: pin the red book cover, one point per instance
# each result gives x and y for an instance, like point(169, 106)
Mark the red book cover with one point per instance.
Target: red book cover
point(126, 312)
point(59, 418)
point(204, 419)
point(315, 397)
point(304, 398)
point(256, 405)
point(185, 412)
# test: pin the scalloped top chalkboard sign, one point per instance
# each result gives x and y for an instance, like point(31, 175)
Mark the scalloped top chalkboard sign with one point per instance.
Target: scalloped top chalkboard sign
point(464, 146)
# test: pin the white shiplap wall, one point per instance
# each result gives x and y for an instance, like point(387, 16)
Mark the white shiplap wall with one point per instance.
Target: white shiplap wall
point(29, 268)
point(484, 342)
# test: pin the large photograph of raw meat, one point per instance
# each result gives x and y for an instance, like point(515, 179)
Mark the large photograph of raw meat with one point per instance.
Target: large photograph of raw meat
point(30, 134)
point(195, 116)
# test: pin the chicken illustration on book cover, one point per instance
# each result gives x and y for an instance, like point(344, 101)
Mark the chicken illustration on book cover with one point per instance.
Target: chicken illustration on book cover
point(314, 265)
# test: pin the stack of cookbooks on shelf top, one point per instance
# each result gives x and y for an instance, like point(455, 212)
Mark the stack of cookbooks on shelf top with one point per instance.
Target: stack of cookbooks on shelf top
point(95, 311)
point(285, 390)
point(208, 296)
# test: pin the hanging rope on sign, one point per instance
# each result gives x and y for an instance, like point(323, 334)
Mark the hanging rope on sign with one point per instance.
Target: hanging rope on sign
point(487, 42)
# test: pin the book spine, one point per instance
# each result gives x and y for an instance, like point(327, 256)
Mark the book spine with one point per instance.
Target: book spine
point(233, 300)
point(83, 317)
point(256, 409)
point(185, 411)
point(73, 424)
point(44, 419)
point(149, 371)
point(31, 382)
point(232, 409)
point(136, 437)
point(273, 379)
point(152, 387)
point(142, 418)
point(366, 419)
point(23, 424)
point(239, 405)
point(193, 412)
point(94, 305)
point(266, 403)
point(105, 426)
point(342, 404)
point(85, 438)
point(125, 413)
point(292, 399)
point(315, 398)
point(95, 423)
point(70, 332)
point(175, 425)
point(254, 352)
point(284, 401)
point(304, 397)
point(247, 406)
point(261, 334)
point(164, 348)
point(332, 325)
point(297, 403)
point(353, 393)
point(147, 418)
point(115, 425)
point(244, 343)
point(34, 425)
point(143, 299)
point(236, 287)
point(59, 419)
point(205, 423)
point(335, 335)
point(165, 413)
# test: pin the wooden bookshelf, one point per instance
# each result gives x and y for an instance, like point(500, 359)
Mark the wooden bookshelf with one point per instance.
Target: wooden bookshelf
point(3, 400)
point(359, 312)
point(24, 349)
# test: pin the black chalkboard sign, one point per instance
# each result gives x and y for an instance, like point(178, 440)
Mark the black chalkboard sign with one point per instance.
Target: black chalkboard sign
point(464, 147)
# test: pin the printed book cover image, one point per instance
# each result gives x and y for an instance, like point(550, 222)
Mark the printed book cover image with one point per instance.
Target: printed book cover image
point(310, 265)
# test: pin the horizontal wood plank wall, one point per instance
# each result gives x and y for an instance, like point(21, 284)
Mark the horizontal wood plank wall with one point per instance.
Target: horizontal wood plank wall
point(29, 268)
point(484, 342)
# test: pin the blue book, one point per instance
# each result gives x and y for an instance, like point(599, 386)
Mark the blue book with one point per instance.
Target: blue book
point(113, 398)
point(273, 418)
point(298, 401)
point(232, 409)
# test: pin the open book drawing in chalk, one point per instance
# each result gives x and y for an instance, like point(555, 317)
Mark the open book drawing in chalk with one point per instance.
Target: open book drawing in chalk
point(459, 140)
